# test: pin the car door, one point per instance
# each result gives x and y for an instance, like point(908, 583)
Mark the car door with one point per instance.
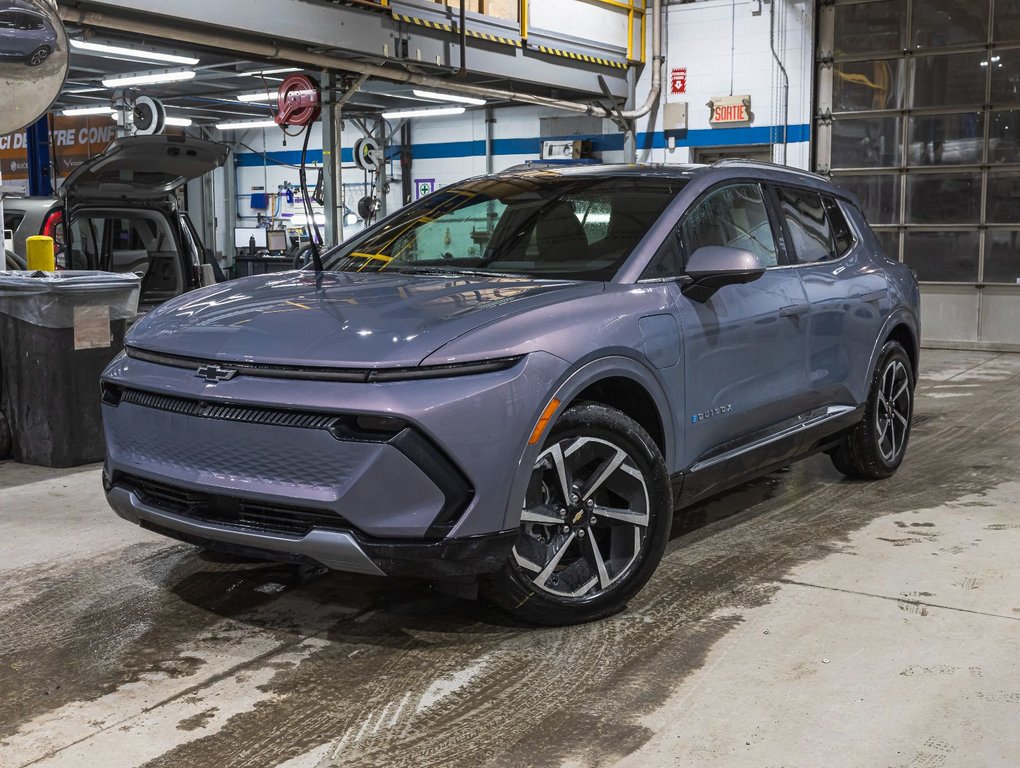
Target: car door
point(849, 300)
point(745, 346)
point(11, 43)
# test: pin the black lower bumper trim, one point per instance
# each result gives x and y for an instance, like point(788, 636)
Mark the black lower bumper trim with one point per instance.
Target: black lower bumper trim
point(468, 556)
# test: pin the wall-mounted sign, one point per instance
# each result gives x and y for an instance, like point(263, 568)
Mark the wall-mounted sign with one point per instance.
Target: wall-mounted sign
point(730, 110)
point(73, 140)
point(678, 81)
point(424, 187)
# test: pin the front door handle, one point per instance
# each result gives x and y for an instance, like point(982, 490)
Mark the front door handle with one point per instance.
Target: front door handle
point(795, 310)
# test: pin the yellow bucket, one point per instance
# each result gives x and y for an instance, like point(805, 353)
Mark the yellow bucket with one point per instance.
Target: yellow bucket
point(40, 253)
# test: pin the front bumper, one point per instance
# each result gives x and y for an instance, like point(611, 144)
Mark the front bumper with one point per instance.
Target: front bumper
point(338, 550)
point(261, 464)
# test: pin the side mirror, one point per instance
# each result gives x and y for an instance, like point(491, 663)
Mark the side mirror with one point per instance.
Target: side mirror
point(713, 266)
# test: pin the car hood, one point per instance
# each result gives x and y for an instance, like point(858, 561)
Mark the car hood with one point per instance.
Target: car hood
point(343, 320)
point(143, 168)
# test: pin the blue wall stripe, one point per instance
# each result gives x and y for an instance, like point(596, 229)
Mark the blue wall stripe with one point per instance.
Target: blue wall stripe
point(706, 137)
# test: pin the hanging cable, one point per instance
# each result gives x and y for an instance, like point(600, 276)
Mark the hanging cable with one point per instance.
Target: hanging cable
point(313, 228)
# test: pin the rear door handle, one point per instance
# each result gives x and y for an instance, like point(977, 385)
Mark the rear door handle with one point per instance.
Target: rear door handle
point(795, 310)
point(874, 295)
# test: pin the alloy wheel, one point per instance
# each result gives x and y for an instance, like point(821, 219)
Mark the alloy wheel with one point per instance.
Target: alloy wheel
point(38, 57)
point(893, 412)
point(585, 518)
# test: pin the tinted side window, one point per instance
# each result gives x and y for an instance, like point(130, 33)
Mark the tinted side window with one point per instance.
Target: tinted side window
point(12, 220)
point(841, 232)
point(734, 216)
point(807, 224)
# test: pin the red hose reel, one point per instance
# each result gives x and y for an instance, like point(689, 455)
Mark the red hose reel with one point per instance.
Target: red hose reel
point(299, 101)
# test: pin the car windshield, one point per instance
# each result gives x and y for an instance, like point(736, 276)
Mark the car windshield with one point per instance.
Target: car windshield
point(538, 224)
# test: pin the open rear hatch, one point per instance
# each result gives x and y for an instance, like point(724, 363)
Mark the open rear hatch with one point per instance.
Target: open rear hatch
point(143, 168)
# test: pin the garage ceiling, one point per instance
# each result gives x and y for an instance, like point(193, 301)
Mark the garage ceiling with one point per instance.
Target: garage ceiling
point(212, 95)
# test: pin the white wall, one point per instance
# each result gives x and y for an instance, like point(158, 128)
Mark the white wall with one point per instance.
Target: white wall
point(725, 49)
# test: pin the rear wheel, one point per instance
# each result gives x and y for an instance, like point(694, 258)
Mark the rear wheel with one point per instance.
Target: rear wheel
point(38, 56)
point(595, 521)
point(876, 447)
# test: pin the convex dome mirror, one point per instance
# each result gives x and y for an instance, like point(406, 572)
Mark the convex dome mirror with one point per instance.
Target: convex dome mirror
point(33, 61)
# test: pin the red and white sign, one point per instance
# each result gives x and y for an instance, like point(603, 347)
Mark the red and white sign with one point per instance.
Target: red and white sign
point(727, 110)
point(678, 81)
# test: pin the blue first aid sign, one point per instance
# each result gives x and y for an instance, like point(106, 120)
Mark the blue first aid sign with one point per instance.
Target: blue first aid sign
point(424, 187)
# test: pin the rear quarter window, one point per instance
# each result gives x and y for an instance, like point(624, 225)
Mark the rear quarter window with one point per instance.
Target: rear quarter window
point(13, 220)
point(842, 234)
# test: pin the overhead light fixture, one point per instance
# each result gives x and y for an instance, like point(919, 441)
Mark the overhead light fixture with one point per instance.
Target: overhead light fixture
point(429, 112)
point(243, 124)
point(449, 97)
point(280, 71)
point(246, 97)
point(179, 122)
point(132, 53)
point(79, 111)
point(149, 78)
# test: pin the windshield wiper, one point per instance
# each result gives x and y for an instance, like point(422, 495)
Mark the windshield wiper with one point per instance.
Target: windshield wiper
point(456, 272)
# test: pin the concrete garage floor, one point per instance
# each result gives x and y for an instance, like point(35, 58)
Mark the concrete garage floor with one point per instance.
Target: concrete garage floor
point(802, 620)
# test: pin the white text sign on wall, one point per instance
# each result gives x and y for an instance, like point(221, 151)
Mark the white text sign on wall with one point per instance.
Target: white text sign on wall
point(730, 110)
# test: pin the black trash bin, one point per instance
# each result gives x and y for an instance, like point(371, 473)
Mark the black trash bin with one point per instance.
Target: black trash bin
point(58, 331)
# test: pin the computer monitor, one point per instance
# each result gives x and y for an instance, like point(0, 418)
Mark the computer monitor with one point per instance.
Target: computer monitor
point(277, 239)
point(243, 236)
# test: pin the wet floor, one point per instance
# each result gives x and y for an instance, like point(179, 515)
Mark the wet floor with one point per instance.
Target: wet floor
point(120, 648)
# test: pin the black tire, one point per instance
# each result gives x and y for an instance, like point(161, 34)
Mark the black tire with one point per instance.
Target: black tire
point(875, 448)
point(39, 56)
point(611, 546)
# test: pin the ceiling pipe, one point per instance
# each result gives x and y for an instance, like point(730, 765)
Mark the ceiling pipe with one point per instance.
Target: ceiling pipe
point(296, 54)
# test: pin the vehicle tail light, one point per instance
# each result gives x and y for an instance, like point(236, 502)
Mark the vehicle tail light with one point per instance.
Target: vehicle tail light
point(53, 220)
point(53, 226)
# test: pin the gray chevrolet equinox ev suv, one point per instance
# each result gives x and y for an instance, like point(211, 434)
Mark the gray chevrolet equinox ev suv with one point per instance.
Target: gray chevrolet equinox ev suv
point(519, 378)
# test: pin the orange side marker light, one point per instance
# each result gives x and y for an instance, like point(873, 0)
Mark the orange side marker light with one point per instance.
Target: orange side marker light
point(543, 422)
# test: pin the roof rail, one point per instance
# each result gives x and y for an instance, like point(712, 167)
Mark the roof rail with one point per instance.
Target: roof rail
point(728, 161)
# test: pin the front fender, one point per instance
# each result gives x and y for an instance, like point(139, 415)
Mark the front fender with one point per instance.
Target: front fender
point(566, 391)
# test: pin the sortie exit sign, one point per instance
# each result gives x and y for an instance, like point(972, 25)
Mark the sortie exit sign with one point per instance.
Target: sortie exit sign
point(729, 110)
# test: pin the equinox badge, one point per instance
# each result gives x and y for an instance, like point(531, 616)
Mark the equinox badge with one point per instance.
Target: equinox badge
point(215, 374)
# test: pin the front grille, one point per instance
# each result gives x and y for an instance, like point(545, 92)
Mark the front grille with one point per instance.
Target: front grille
point(228, 510)
point(227, 412)
point(357, 428)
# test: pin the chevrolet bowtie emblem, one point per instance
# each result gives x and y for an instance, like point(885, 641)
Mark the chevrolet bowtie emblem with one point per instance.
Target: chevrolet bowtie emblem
point(215, 373)
point(577, 517)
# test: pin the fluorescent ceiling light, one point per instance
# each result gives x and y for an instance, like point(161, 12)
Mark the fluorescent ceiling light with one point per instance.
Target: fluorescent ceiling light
point(71, 111)
point(180, 122)
point(279, 71)
point(449, 97)
point(256, 96)
point(149, 78)
point(242, 124)
point(423, 112)
point(132, 53)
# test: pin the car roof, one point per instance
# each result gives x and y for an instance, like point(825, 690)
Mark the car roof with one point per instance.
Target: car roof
point(729, 168)
point(24, 204)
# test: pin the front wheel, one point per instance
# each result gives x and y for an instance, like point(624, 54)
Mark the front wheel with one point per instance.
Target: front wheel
point(594, 524)
point(876, 446)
